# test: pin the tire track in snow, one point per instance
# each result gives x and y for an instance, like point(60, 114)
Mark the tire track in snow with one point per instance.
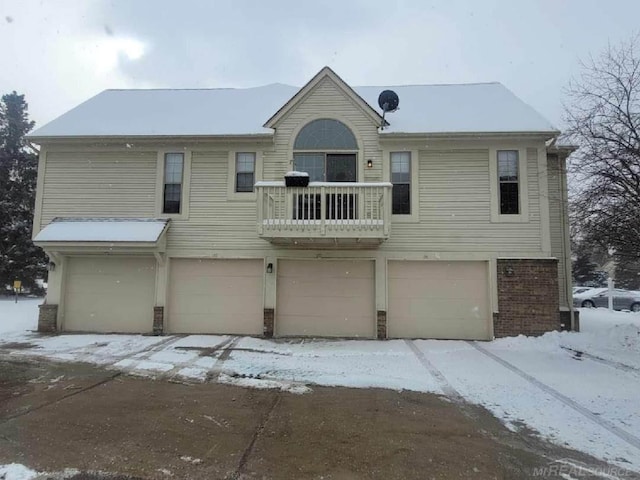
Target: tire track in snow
point(442, 382)
point(147, 353)
point(607, 425)
point(174, 372)
point(216, 370)
point(609, 363)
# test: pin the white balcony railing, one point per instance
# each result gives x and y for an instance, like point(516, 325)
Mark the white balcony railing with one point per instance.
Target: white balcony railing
point(333, 210)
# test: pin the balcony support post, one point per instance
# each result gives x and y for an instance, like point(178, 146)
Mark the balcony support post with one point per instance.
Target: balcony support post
point(323, 211)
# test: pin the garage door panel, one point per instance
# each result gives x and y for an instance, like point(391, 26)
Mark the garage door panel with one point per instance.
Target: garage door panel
point(231, 286)
point(330, 288)
point(459, 328)
point(325, 298)
point(327, 269)
point(113, 294)
point(193, 304)
point(444, 309)
point(315, 325)
point(216, 296)
point(438, 270)
point(338, 306)
point(438, 300)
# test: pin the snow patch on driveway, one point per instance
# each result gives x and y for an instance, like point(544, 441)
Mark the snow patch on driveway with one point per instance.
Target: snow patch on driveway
point(16, 471)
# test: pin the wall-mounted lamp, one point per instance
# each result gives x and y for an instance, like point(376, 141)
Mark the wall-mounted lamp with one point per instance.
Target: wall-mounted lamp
point(508, 271)
point(51, 267)
point(369, 163)
point(270, 268)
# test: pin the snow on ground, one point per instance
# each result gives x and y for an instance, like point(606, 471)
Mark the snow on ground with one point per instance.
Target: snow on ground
point(18, 318)
point(15, 471)
point(540, 384)
point(607, 334)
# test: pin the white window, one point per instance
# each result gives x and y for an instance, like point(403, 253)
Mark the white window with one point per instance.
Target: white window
point(173, 175)
point(401, 180)
point(508, 179)
point(509, 184)
point(245, 171)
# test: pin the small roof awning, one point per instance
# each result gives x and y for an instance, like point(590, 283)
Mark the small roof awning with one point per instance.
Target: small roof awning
point(109, 235)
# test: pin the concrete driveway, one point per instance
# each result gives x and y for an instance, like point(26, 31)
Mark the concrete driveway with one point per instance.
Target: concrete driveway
point(55, 417)
point(404, 403)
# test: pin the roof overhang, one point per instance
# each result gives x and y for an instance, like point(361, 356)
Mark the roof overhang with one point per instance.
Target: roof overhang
point(151, 139)
point(65, 236)
point(563, 150)
point(545, 135)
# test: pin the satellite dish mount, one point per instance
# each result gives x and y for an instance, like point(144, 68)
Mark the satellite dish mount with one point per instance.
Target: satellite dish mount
point(388, 102)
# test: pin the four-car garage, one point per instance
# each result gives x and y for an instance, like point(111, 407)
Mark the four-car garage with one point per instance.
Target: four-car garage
point(314, 297)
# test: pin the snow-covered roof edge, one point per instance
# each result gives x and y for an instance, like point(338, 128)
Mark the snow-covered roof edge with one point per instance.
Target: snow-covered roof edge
point(103, 230)
point(487, 108)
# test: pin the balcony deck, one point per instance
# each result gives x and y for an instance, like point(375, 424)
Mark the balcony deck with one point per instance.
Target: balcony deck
point(324, 214)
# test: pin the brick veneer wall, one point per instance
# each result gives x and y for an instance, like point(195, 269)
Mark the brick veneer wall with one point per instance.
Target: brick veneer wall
point(381, 325)
point(269, 322)
point(158, 320)
point(47, 318)
point(528, 298)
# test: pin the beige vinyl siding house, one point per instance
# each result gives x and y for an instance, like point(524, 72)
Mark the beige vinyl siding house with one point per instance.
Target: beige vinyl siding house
point(415, 248)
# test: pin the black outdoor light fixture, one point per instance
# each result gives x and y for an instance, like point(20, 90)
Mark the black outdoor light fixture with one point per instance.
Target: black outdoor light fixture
point(369, 163)
point(270, 268)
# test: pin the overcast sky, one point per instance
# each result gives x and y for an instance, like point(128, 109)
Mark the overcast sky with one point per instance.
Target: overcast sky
point(59, 53)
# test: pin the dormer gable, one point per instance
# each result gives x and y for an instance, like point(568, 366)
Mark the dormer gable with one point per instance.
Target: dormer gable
point(325, 75)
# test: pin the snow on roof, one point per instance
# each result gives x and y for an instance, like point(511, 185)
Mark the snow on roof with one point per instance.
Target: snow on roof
point(102, 230)
point(463, 108)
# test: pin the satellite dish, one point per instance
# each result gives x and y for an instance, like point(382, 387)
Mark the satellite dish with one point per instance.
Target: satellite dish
point(388, 102)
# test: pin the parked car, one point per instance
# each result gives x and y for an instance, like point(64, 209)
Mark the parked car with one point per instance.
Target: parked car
point(578, 290)
point(599, 297)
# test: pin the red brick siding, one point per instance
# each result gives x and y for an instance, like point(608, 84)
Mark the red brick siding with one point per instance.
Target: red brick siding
point(528, 299)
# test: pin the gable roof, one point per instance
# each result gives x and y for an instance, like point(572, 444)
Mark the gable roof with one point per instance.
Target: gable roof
point(430, 109)
point(326, 72)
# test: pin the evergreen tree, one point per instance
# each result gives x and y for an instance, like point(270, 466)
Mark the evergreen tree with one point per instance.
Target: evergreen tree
point(627, 272)
point(582, 268)
point(20, 259)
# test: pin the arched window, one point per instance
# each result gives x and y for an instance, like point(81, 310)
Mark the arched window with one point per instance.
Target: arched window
point(325, 134)
point(326, 150)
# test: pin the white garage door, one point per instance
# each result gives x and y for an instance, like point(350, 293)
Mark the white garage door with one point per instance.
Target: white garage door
point(438, 300)
point(329, 298)
point(215, 296)
point(109, 294)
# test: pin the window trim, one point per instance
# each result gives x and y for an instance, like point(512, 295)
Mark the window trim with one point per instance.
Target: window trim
point(237, 172)
point(232, 174)
point(414, 216)
point(523, 186)
point(186, 183)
